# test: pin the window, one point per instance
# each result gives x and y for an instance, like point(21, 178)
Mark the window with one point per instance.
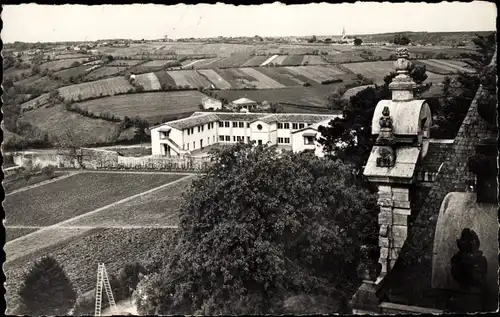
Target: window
point(214, 138)
point(308, 140)
point(202, 127)
point(234, 138)
point(259, 126)
point(221, 138)
point(295, 126)
point(188, 131)
point(201, 143)
point(301, 126)
point(248, 124)
point(194, 145)
point(286, 125)
point(248, 139)
point(280, 140)
point(260, 142)
point(192, 130)
point(221, 124)
point(199, 129)
point(188, 145)
point(228, 138)
point(226, 124)
point(241, 124)
point(208, 140)
point(280, 125)
point(235, 124)
point(287, 140)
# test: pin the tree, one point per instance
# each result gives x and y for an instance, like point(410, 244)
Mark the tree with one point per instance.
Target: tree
point(261, 226)
point(69, 144)
point(129, 276)
point(358, 41)
point(401, 39)
point(46, 290)
point(485, 48)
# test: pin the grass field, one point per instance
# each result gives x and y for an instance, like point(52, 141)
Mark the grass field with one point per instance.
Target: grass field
point(190, 78)
point(156, 63)
point(90, 130)
point(80, 255)
point(446, 67)
point(261, 80)
point(314, 96)
point(103, 87)
point(104, 71)
point(125, 62)
point(45, 83)
point(254, 61)
point(11, 72)
point(343, 57)
point(160, 207)
point(313, 60)
point(69, 56)
point(149, 81)
point(61, 64)
point(73, 72)
point(280, 76)
point(317, 73)
point(165, 79)
point(14, 233)
point(374, 70)
point(150, 106)
point(216, 79)
point(76, 195)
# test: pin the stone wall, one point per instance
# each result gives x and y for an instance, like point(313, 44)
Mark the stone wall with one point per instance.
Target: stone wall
point(105, 159)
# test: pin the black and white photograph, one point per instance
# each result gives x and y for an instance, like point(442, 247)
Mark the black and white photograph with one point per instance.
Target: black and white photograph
point(264, 159)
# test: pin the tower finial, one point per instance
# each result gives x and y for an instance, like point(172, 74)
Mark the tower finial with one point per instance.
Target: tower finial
point(402, 85)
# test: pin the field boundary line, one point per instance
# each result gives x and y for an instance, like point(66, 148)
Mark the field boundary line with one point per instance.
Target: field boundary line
point(67, 221)
point(100, 227)
point(48, 181)
point(138, 172)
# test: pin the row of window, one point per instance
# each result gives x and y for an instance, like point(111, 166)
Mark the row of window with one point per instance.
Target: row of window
point(295, 126)
point(283, 140)
point(186, 145)
point(201, 128)
point(236, 138)
point(227, 124)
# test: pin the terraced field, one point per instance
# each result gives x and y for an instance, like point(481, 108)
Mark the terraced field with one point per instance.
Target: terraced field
point(153, 106)
point(76, 195)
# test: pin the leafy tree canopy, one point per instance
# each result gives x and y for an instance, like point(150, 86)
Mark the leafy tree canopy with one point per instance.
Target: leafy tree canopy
point(47, 290)
point(260, 226)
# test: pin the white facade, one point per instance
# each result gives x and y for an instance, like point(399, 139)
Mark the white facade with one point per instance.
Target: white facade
point(296, 132)
point(211, 103)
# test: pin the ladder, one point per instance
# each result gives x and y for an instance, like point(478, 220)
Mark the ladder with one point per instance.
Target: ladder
point(102, 278)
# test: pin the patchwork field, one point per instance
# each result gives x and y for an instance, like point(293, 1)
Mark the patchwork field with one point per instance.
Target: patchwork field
point(44, 83)
point(318, 74)
point(344, 57)
point(76, 195)
point(156, 63)
point(254, 61)
point(446, 67)
point(104, 71)
point(103, 87)
point(374, 70)
point(281, 76)
point(75, 71)
point(150, 106)
point(69, 56)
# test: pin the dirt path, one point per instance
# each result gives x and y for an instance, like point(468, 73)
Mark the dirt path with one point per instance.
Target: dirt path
point(57, 233)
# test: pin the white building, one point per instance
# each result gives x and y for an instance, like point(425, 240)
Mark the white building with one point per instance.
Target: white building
point(243, 103)
point(211, 103)
point(296, 132)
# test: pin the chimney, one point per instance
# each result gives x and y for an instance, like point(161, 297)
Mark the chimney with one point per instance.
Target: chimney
point(484, 165)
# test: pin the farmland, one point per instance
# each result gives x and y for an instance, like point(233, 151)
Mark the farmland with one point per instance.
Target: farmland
point(80, 255)
point(76, 195)
point(104, 71)
point(151, 106)
point(90, 130)
point(189, 78)
point(159, 207)
point(73, 72)
point(446, 67)
point(215, 78)
point(125, 62)
point(61, 64)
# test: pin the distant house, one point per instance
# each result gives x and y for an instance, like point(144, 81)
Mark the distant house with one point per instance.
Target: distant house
point(211, 103)
point(76, 48)
point(243, 103)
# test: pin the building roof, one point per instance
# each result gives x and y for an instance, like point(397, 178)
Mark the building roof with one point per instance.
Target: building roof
point(191, 122)
point(267, 119)
point(436, 155)
point(405, 115)
point(243, 101)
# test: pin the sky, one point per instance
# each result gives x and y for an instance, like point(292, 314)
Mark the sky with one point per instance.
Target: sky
point(49, 23)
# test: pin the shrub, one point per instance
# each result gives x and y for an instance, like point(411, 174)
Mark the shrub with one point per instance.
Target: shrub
point(46, 290)
point(130, 275)
point(49, 171)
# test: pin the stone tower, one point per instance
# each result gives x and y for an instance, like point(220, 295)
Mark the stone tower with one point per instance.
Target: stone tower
point(402, 127)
